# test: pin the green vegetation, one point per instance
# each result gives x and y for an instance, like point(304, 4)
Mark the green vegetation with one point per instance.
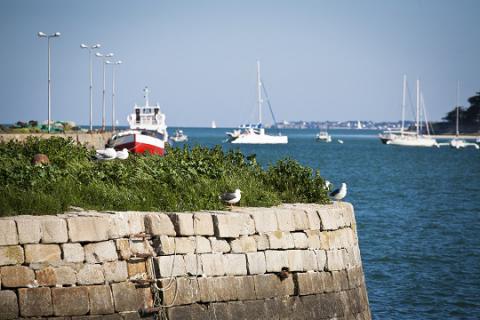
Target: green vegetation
point(185, 179)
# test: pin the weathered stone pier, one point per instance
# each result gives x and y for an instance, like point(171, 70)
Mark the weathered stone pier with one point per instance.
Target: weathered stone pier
point(199, 265)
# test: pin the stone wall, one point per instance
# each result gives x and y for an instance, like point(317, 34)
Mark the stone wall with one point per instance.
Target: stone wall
point(207, 265)
point(93, 140)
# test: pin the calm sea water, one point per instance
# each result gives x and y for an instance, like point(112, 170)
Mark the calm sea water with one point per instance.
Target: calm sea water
point(418, 216)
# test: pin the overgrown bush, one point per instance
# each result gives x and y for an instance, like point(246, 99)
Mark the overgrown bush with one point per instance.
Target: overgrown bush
point(184, 179)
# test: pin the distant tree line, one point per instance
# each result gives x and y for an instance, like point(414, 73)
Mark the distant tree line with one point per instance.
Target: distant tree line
point(469, 118)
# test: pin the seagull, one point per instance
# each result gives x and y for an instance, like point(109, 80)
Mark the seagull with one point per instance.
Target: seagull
point(107, 154)
point(122, 154)
point(231, 197)
point(327, 184)
point(339, 194)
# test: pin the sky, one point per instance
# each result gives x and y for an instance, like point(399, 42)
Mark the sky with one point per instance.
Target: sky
point(320, 59)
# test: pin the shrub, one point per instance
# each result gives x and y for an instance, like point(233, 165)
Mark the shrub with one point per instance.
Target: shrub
point(184, 179)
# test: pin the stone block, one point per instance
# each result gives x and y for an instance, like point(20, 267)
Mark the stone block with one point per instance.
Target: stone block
point(202, 245)
point(115, 271)
point(193, 264)
point(187, 291)
point(46, 277)
point(313, 239)
point(212, 264)
point(226, 225)
point(340, 280)
point(125, 297)
point(185, 245)
point(218, 245)
point(8, 305)
point(300, 240)
point(72, 301)
point(29, 230)
point(256, 263)
point(65, 276)
point(16, 276)
point(285, 219)
point(11, 255)
point(280, 240)
point(300, 219)
point(100, 252)
point(190, 312)
point(235, 264)
point(337, 239)
point(321, 259)
point(159, 225)
point(90, 274)
point(309, 260)
point(325, 282)
point(183, 223)
point(276, 260)
point(35, 302)
point(247, 224)
point(137, 269)
point(355, 277)
point(73, 252)
point(136, 222)
point(244, 244)
point(39, 253)
point(91, 229)
point(217, 289)
point(8, 232)
point(269, 286)
point(203, 224)
point(262, 241)
point(141, 248)
point(54, 230)
point(335, 260)
point(245, 288)
point(164, 245)
point(305, 283)
point(288, 308)
point(119, 227)
point(265, 220)
point(170, 266)
point(295, 260)
point(100, 300)
point(313, 219)
point(123, 248)
point(256, 310)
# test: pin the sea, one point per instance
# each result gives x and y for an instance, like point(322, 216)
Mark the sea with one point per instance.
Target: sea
point(417, 212)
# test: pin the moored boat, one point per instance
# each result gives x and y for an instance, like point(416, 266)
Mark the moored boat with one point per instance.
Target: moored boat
point(179, 136)
point(147, 133)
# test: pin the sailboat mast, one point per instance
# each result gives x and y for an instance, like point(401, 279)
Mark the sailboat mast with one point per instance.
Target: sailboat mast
point(456, 103)
point(418, 107)
point(259, 93)
point(403, 103)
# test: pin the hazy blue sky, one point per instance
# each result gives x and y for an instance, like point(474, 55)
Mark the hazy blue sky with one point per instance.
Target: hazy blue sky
point(321, 60)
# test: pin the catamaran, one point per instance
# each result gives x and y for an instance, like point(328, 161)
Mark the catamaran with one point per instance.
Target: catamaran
point(255, 134)
point(408, 138)
point(147, 133)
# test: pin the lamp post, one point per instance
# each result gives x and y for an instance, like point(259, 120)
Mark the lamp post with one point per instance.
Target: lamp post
point(113, 63)
point(43, 35)
point(103, 56)
point(90, 48)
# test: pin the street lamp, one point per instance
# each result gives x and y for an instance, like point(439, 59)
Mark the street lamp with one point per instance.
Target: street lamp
point(90, 48)
point(113, 63)
point(43, 35)
point(103, 56)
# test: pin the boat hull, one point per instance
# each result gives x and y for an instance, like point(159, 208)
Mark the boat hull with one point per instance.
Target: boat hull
point(260, 139)
point(414, 141)
point(139, 143)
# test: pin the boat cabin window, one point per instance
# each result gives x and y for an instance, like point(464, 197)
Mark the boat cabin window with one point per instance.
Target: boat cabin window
point(137, 115)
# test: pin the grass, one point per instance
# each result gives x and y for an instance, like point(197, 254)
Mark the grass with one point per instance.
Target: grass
point(183, 180)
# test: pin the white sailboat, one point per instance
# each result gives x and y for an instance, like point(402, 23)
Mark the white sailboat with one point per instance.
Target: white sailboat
point(458, 143)
point(413, 139)
point(256, 134)
point(392, 134)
